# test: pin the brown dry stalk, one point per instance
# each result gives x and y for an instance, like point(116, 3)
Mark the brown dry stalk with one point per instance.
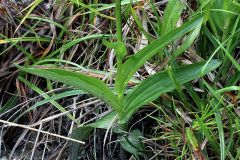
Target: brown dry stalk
point(37, 130)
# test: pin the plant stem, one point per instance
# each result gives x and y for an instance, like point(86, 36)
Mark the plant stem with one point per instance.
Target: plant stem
point(118, 20)
point(119, 60)
point(119, 37)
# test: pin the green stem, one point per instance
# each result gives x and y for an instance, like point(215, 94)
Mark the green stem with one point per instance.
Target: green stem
point(118, 20)
point(119, 57)
point(119, 73)
point(119, 38)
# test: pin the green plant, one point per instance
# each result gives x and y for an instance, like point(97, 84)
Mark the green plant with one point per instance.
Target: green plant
point(126, 104)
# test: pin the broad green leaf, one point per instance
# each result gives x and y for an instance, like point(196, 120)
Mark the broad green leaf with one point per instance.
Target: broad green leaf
point(171, 15)
point(151, 88)
point(104, 122)
point(91, 85)
point(83, 132)
point(132, 142)
point(137, 60)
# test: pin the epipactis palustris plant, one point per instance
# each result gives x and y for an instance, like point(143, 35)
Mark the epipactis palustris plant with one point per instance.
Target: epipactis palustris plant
point(124, 105)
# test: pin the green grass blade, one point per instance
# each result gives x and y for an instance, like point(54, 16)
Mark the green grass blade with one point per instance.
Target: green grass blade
point(139, 24)
point(56, 97)
point(188, 42)
point(24, 39)
point(221, 134)
point(70, 44)
point(112, 5)
point(235, 63)
point(191, 139)
point(220, 18)
point(50, 22)
point(234, 79)
point(39, 91)
point(91, 9)
point(33, 5)
point(10, 104)
point(59, 61)
point(206, 131)
point(160, 83)
point(228, 89)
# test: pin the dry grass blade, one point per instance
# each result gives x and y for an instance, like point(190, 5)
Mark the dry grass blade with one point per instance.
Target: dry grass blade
point(37, 130)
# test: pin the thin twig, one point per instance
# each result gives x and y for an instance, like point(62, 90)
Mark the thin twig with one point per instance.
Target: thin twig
point(45, 132)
